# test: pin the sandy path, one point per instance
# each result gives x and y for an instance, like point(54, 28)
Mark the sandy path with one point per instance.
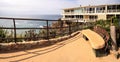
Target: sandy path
point(75, 49)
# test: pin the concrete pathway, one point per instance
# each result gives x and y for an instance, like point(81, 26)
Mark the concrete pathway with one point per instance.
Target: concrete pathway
point(75, 49)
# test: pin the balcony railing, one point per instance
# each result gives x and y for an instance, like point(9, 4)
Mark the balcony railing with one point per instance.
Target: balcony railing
point(97, 11)
point(109, 11)
point(90, 11)
point(100, 11)
point(68, 13)
point(81, 19)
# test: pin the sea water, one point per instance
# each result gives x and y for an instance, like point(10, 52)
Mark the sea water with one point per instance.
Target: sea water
point(28, 23)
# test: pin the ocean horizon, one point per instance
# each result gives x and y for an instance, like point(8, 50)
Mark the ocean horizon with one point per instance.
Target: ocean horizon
point(26, 23)
point(9, 23)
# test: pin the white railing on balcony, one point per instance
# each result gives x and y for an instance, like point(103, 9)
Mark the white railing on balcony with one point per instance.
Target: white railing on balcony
point(89, 11)
point(68, 13)
point(100, 11)
point(97, 11)
point(72, 18)
point(118, 10)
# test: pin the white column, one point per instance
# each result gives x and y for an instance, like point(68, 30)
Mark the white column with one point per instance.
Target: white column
point(105, 8)
point(95, 10)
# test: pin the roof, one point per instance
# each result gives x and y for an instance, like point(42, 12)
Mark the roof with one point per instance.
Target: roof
point(89, 6)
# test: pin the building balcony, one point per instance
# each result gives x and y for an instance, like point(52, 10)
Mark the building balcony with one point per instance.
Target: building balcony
point(72, 18)
point(100, 11)
point(117, 10)
point(68, 13)
point(89, 11)
point(92, 12)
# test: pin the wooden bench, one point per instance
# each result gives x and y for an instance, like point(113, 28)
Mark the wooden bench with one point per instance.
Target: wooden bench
point(96, 41)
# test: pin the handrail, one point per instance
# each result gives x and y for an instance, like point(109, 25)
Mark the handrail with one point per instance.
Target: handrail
point(28, 19)
point(47, 28)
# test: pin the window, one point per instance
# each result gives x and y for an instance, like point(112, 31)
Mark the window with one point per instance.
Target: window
point(118, 6)
point(118, 16)
point(67, 11)
point(79, 16)
point(72, 10)
point(93, 17)
point(111, 7)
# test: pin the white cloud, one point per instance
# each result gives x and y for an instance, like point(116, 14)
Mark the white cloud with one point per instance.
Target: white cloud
point(35, 6)
point(44, 6)
point(97, 2)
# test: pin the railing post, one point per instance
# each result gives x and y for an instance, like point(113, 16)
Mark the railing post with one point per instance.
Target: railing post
point(69, 28)
point(77, 26)
point(14, 31)
point(47, 30)
point(61, 24)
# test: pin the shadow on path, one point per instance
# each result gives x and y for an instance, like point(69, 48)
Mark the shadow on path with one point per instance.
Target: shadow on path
point(47, 50)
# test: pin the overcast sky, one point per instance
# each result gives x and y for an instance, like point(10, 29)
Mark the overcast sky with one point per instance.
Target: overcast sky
point(39, 7)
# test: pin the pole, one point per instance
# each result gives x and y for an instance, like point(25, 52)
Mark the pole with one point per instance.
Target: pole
point(77, 26)
point(70, 28)
point(14, 31)
point(47, 30)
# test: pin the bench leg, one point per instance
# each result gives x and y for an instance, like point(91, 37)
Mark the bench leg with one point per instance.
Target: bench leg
point(100, 52)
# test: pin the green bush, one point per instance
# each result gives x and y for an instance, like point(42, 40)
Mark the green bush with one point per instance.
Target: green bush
point(3, 34)
point(115, 21)
point(31, 35)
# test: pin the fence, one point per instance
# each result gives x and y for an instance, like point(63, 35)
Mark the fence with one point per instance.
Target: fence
point(60, 30)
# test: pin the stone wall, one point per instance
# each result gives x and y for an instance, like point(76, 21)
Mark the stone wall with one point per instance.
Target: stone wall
point(20, 46)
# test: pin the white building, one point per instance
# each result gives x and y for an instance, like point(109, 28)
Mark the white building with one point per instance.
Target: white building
point(91, 13)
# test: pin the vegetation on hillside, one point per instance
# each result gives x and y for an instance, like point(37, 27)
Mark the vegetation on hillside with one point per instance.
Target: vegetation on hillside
point(3, 34)
point(107, 23)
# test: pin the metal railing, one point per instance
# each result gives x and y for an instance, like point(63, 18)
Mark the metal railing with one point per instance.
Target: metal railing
point(66, 30)
point(100, 11)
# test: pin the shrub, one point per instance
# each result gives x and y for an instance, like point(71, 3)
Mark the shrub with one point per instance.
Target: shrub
point(3, 34)
point(30, 35)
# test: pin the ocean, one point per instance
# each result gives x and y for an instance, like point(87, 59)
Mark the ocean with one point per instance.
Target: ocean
point(28, 24)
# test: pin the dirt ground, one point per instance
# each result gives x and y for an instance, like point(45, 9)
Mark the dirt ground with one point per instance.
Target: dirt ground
point(75, 49)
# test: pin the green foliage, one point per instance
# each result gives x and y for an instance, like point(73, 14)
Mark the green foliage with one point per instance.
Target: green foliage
point(43, 33)
point(31, 35)
point(104, 24)
point(115, 21)
point(3, 34)
point(52, 33)
point(101, 23)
